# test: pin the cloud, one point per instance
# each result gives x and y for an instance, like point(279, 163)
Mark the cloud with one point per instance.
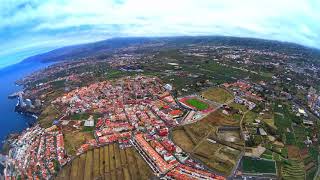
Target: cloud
point(56, 23)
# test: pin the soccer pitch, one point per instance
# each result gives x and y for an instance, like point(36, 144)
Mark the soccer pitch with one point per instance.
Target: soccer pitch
point(199, 105)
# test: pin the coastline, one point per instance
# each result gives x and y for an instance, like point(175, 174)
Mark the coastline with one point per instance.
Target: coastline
point(14, 121)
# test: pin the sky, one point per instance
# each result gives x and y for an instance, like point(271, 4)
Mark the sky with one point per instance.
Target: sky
point(30, 27)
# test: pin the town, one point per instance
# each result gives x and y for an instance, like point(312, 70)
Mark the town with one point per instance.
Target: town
point(193, 112)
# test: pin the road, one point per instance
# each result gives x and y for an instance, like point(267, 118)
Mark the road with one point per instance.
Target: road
point(244, 146)
point(241, 122)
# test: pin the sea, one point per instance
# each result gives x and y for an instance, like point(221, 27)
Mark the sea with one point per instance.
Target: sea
point(11, 121)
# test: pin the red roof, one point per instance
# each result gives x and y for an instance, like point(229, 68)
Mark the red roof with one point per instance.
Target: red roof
point(175, 112)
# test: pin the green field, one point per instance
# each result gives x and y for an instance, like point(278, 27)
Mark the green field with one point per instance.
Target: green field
point(290, 139)
point(199, 105)
point(267, 155)
point(252, 165)
point(292, 169)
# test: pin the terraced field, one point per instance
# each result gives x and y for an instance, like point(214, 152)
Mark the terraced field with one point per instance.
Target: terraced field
point(293, 169)
point(267, 155)
point(108, 162)
point(217, 156)
point(203, 142)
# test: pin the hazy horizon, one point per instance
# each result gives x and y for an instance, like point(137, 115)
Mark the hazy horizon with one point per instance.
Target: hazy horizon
point(30, 27)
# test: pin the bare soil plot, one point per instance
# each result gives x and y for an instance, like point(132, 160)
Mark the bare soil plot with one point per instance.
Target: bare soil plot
point(219, 95)
point(215, 157)
point(216, 118)
point(293, 152)
point(183, 140)
point(219, 152)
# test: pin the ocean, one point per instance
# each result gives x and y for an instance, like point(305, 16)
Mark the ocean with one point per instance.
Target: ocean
point(10, 121)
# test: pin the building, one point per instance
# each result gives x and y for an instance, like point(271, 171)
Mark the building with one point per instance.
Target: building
point(89, 123)
point(168, 87)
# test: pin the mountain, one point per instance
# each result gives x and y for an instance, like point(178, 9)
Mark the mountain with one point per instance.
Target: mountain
point(84, 50)
point(107, 46)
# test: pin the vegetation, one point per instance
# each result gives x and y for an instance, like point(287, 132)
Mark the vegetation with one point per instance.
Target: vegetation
point(293, 169)
point(219, 95)
point(193, 138)
point(200, 105)
point(109, 162)
point(73, 140)
point(253, 165)
point(267, 155)
point(48, 116)
point(197, 74)
point(80, 116)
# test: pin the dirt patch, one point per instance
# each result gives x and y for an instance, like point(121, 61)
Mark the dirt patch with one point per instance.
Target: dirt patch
point(293, 152)
point(182, 139)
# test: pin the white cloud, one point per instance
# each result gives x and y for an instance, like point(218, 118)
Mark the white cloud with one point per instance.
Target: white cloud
point(287, 20)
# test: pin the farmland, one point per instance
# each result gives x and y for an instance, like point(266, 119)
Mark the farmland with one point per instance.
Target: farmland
point(267, 155)
point(253, 165)
point(292, 169)
point(219, 95)
point(74, 139)
point(217, 118)
point(204, 142)
point(108, 162)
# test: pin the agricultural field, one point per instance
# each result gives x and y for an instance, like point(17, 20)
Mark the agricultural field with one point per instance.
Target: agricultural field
point(267, 155)
point(219, 95)
point(250, 116)
point(185, 142)
point(217, 118)
point(292, 169)
point(301, 136)
point(73, 140)
point(229, 136)
point(108, 162)
point(293, 152)
point(254, 165)
point(311, 173)
point(47, 116)
point(282, 118)
point(216, 156)
point(270, 123)
point(203, 141)
point(281, 122)
point(290, 138)
point(240, 107)
point(268, 118)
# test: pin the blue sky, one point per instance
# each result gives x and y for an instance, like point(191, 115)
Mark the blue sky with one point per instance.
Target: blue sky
point(29, 27)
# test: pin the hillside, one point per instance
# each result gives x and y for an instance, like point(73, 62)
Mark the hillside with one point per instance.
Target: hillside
point(103, 49)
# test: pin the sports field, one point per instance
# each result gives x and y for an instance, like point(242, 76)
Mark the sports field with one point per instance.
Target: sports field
point(197, 104)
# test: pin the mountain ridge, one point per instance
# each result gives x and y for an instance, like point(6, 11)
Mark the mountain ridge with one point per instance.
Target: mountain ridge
point(108, 45)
